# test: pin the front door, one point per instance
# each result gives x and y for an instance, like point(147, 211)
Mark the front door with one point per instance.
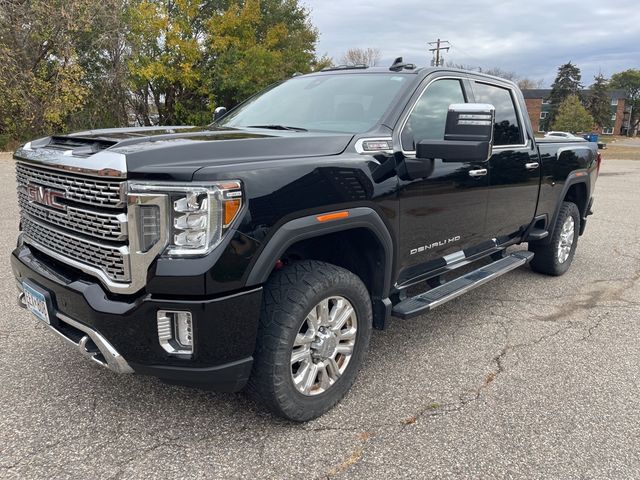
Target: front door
point(442, 213)
point(514, 169)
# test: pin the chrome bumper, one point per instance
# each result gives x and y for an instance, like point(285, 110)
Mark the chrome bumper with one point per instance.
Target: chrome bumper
point(89, 342)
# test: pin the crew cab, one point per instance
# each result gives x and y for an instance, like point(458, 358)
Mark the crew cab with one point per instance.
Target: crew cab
point(259, 252)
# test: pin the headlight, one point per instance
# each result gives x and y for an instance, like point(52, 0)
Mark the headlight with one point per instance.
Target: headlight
point(199, 216)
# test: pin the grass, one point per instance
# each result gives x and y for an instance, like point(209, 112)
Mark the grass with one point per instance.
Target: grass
point(615, 152)
point(609, 138)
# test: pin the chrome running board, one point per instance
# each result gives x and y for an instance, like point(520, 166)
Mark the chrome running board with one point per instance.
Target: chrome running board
point(435, 297)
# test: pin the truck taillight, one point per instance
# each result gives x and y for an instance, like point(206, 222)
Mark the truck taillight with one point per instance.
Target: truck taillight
point(598, 162)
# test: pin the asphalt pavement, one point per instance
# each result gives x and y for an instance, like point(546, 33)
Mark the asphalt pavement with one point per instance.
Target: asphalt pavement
point(526, 377)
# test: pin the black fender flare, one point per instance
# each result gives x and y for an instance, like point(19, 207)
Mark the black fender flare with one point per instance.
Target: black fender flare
point(575, 178)
point(309, 226)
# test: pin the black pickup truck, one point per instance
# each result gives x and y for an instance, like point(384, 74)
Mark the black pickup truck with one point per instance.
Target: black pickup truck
point(259, 252)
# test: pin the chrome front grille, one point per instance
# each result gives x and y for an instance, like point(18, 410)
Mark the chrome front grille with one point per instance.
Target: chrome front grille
point(86, 227)
point(109, 226)
point(113, 261)
point(98, 193)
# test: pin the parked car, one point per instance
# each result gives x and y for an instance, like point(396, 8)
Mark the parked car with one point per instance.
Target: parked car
point(567, 135)
point(259, 252)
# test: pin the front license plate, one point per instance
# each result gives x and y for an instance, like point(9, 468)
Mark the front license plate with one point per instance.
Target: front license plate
point(36, 302)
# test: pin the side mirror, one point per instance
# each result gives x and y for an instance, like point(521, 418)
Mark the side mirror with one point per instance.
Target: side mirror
point(219, 112)
point(468, 135)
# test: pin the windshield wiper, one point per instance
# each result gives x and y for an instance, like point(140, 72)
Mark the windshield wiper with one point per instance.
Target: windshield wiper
point(279, 127)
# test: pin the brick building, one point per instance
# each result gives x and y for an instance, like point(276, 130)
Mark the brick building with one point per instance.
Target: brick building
point(539, 108)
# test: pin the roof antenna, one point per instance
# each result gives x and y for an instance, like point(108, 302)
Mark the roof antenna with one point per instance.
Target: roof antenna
point(398, 64)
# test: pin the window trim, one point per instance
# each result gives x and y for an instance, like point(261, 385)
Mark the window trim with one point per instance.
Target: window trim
point(614, 102)
point(516, 104)
point(543, 115)
point(408, 112)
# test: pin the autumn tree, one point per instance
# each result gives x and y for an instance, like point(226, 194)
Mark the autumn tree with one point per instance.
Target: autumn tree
point(93, 63)
point(256, 43)
point(362, 56)
point(599, 103)
point(167, 60)
point(528, 83)
point(572, 116)
point(566, 84)
point(523, 83)
point(103, 54)
point(41, 76)
point(629, 81)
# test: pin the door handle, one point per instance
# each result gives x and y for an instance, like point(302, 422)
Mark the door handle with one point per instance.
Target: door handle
point(478, 173)
point(532, 165)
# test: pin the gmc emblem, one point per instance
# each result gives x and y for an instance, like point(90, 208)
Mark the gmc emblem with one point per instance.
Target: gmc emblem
point(45, 196)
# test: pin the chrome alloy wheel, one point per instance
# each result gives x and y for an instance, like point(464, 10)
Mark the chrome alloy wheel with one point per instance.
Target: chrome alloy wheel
point(567, 235)
point(323, 345)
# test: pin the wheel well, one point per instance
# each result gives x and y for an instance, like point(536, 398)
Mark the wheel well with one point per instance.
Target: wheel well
point(577, 194)
point(357, 250)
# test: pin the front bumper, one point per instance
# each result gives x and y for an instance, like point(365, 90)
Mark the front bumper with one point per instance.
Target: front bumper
point(121, 332)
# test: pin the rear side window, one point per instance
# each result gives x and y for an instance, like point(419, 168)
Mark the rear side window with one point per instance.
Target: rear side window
point(507, 129)
point(429, 116)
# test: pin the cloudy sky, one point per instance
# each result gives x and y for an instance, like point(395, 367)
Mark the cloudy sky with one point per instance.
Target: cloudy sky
point(531, 38)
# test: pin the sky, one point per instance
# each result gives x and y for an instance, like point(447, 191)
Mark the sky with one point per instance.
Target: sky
point(529, 38)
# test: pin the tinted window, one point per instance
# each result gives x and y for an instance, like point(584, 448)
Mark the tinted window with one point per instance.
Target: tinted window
point(350, 103)
point(507, 129)
point(428, 118)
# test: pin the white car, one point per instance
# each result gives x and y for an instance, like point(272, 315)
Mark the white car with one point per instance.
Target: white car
point(563, 135)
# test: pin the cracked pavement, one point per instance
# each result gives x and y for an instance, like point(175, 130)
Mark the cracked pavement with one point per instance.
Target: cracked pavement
point(525, 377)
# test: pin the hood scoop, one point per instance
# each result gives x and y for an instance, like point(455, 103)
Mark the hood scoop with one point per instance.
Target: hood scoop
point(78, 146)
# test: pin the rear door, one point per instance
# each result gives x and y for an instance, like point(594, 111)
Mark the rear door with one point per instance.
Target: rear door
point(514, 169)
point(442, 213)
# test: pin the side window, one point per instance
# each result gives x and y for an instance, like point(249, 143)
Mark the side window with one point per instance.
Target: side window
point(429, 116)
point(507, 129)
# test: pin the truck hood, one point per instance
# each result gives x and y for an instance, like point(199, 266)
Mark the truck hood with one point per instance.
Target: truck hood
point(178, 152)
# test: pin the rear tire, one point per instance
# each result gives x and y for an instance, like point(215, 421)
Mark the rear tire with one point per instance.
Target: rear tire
point(313, 335)
point(555, 257)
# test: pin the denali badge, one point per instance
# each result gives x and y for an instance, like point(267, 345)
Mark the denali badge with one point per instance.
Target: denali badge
point(441, 243)
point(45, 196)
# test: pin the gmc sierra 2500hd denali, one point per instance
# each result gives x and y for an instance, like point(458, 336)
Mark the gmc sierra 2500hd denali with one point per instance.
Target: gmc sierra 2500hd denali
point(260, 251)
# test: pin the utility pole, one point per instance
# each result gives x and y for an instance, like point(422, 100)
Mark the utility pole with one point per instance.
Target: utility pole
point(438, 60)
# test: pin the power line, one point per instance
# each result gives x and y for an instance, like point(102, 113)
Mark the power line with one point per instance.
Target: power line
point(465, 52)
point(438, 60)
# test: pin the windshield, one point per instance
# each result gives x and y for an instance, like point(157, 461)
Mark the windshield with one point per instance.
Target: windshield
point(348, 103)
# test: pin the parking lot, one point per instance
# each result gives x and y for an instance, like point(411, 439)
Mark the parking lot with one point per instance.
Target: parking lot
point(526, 377)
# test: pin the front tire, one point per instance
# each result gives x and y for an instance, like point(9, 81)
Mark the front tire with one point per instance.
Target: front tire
point(314, 331)
point(555, 257)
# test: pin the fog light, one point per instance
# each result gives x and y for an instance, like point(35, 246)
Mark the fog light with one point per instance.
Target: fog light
point(175, 331)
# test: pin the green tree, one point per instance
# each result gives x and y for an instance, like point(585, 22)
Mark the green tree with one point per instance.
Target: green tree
point(599, 103)
point(629, 81)
point(572, 116)
point(567, 83)
point(256, 43)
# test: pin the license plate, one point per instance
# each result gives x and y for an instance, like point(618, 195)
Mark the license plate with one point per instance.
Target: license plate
point(36, 302)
